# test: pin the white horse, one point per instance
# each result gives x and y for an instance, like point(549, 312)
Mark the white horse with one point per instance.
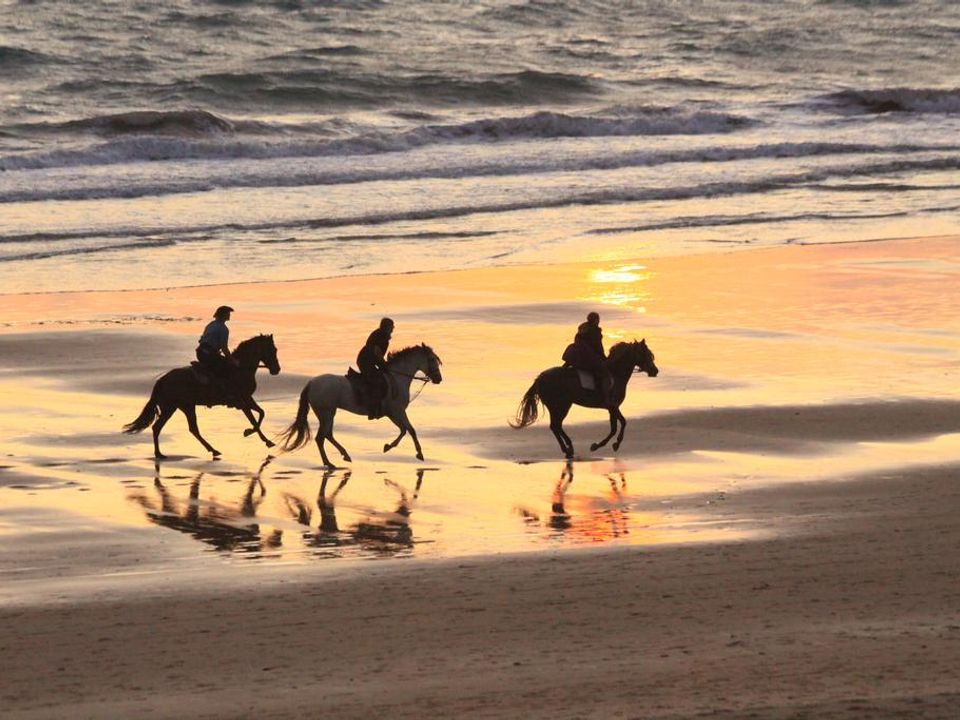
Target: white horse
point(328, 393)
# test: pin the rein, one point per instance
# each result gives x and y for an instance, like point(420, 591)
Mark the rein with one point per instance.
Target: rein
point(413, 376)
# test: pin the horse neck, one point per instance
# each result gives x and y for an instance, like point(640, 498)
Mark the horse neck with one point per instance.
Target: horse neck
point(405, 368)
point(620, 370)
point(246, 360)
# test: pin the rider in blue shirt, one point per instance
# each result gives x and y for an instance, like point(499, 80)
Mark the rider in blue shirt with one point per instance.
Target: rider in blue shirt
point(213, 351)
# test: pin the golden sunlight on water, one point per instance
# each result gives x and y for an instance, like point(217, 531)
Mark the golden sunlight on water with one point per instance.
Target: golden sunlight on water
point(779, 367)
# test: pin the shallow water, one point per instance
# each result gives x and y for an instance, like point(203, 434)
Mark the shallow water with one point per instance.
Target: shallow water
point(783, 366)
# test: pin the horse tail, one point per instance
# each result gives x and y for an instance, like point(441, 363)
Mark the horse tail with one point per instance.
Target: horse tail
point(528, 410)
point(147, 415)
point(298, 434)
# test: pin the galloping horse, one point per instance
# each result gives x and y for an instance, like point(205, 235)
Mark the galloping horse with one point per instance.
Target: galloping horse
point(328, 393)
point(559, 387)
point(181, 389)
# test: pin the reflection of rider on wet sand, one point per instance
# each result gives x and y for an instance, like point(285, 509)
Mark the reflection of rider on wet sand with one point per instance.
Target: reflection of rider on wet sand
point(589, 526)
point(372, 362)
point(213, 352)
point(586, 353)
point(303, 514)
point(395, 527)
point(559, 518)
point(381, 533)
point(218, 525)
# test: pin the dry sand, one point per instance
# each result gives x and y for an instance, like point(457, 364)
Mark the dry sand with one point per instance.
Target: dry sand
point(805, 411)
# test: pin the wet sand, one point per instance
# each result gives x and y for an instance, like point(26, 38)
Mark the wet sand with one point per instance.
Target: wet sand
point(776, 537)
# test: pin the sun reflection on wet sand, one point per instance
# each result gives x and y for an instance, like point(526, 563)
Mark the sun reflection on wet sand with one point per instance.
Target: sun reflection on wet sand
point(768, 334)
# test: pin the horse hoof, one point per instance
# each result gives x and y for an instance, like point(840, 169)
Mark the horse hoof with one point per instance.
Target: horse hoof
point(347, 458)
point(248, 432)
point(215, 453)
point(159, 456)
point(419, 456)
point(269, 443)
point(616, 446)
point(386, 447)
point(594, 446)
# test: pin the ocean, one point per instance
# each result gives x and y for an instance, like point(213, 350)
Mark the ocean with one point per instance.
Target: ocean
point(183, 143)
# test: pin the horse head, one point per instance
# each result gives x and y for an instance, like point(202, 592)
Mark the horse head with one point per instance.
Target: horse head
point(432, 369)
point(643, 358)
point(421, 358)
point(257, 350)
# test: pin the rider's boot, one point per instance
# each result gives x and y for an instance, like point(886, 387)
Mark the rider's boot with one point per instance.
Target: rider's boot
point(603, 385)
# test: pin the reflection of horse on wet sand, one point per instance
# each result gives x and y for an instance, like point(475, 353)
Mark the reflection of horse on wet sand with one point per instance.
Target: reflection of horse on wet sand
point(559, 388)
point(325, 394)
point(182, 389)
point(224, 527)
point(384, 533)
point(596, 524)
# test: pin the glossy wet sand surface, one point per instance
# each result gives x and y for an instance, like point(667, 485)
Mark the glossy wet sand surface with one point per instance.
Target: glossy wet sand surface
point(804, 425)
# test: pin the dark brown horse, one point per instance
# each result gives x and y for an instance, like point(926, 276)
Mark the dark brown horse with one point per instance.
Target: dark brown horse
point(559, 388)
point(182, 389)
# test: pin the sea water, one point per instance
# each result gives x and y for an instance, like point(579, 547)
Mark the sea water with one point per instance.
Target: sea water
point(182, 143)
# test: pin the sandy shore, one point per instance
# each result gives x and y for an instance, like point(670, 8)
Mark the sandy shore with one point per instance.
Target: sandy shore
point(776, 538)
point(857, 616)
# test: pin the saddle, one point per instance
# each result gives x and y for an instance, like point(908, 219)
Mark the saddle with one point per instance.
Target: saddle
point(587, 378)
point(202, 374)
point(217, 390)
point(359, 387)
point(362, 391)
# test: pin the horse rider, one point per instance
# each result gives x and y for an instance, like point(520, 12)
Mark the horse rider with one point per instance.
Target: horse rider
point(589, 355)
point(371, 360)
point(213, 353)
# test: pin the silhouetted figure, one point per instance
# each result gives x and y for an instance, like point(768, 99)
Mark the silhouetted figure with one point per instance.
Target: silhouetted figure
point(213, 351)
point(325, 394)
point(586, 353)
point(372, 362)
point(224, 527)
point(184, 388)
point(559, 388)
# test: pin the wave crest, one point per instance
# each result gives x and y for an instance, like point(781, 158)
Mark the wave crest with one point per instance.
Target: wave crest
point(909, 100)
point(155, 122)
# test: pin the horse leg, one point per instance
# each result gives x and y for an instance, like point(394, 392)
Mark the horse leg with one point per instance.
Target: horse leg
point(248, 411)
point(327, 430)
point(623, 426)
point(557, 414)
point(191, 412)
point(416, 440)
point(166, 411)
point(254, 424)
point(613, 429)
point(403, 431)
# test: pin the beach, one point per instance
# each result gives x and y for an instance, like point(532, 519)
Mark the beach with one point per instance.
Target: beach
point(776, 537)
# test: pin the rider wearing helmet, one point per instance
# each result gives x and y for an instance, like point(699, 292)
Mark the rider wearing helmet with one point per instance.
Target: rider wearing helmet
point(372, 363)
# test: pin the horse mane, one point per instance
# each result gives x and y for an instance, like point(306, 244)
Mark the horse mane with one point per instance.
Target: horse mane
point(249, 341)
point(404, 352)
point(618, 348)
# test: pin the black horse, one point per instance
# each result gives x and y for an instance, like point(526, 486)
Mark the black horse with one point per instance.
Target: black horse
point(559, 388)
point(183, 390)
